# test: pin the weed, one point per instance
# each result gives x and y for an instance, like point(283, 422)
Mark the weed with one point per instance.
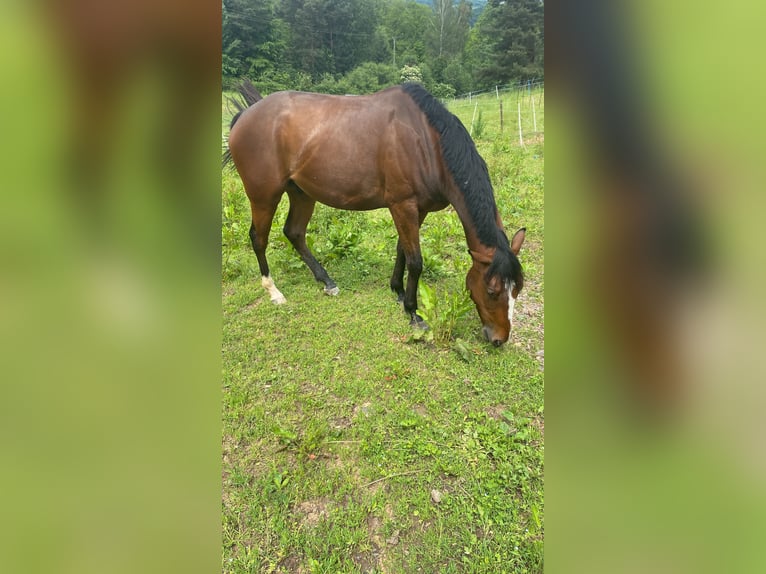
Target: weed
point(343, 235)
point(479, 125)
point(442, 313)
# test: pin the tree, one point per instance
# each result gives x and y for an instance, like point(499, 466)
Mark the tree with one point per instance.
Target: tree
point(332, 36)
point(449, 27)
point(342, 46)
point(252, 41)
point(513, 30)
point(403, 22)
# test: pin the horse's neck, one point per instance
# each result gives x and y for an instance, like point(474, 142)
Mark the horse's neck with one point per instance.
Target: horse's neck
point(475, 246)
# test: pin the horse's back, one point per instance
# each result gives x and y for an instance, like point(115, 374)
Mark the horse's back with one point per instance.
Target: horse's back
point(344, 151)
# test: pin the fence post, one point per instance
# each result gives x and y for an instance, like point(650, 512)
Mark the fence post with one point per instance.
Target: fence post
point(497, 93)
point(521, 138)
point(470, 132)
point(501, 116)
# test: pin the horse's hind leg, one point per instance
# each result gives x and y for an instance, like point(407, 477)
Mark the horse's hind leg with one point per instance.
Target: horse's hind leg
point(262, 216)
point(301, 210)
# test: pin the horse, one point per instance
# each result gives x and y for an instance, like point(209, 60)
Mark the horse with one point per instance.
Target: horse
point(399, 149)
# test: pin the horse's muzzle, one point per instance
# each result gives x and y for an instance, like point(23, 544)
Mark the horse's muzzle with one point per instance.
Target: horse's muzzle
point(488, 335)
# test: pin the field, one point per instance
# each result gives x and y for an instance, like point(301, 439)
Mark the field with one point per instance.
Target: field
point(352, 443)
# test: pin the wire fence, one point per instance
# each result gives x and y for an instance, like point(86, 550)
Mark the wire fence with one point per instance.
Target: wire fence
point(515, 111)
point(518, 88)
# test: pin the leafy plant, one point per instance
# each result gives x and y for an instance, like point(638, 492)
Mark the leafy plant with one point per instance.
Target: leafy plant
point(343, 234)
point(479, 125)
point(442, 314)
point(233, 234)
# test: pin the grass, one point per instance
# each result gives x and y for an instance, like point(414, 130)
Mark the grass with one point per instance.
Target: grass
point(342, 430)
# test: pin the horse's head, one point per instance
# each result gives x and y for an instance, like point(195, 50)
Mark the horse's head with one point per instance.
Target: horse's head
point(494, 283)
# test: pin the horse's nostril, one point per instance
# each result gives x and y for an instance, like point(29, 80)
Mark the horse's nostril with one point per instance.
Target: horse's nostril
point(497, 342)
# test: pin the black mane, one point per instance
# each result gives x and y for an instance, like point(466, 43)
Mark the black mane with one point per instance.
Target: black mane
point(471, 176)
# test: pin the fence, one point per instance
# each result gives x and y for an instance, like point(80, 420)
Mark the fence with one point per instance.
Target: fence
point(516, 111)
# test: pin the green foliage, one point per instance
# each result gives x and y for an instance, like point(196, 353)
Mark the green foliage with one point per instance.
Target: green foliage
point(411, 74)
point(405, 21)
point(254, 40)
point(454, 74)
point(343, 46)
point(441, 91)
point(511, 39)
point(478, 125)
point(344, 236)
point(443, 311)
point(234, 231)
point(449, 27)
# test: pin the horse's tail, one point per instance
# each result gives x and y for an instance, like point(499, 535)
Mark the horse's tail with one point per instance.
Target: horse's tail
point(248, 95)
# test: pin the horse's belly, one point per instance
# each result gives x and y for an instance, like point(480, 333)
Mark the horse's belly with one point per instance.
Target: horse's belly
point(341, 195)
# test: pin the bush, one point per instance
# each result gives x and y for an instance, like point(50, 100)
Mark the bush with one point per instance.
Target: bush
point(369, 77)
point(441, 91)
point(411, 74)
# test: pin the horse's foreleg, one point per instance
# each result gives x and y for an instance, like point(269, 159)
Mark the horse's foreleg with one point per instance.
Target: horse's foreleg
point(397, 277)
point(301, 210)
point(407, 221)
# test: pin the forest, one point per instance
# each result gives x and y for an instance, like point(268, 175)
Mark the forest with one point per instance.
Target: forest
point(361, 46)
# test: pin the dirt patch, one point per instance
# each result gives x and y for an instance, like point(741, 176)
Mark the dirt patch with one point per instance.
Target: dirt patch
point(312, 512)
point(365, 409)
point(291, 565)
point(374, 559)
point(496, 412)
point(539, 423)
point(367, 562)
point(420, 410)
point(341, 423)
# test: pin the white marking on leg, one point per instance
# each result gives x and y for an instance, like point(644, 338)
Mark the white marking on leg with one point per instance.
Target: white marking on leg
point(332, 291)
point(511, 303)
point(276, 296)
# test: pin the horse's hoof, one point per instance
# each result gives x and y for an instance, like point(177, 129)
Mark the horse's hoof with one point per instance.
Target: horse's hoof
point(332, 291)
point(279, 300)
point(418, 322)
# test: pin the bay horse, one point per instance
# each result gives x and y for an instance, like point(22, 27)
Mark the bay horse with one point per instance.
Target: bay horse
point(398, 149)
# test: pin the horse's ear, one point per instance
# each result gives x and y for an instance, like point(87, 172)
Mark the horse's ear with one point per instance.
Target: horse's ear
point(517, 240)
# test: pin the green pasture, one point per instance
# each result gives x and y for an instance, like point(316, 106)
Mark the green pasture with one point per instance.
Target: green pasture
point(352, 443)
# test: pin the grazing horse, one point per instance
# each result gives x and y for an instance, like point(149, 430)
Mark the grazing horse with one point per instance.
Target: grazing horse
point(399, 149)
